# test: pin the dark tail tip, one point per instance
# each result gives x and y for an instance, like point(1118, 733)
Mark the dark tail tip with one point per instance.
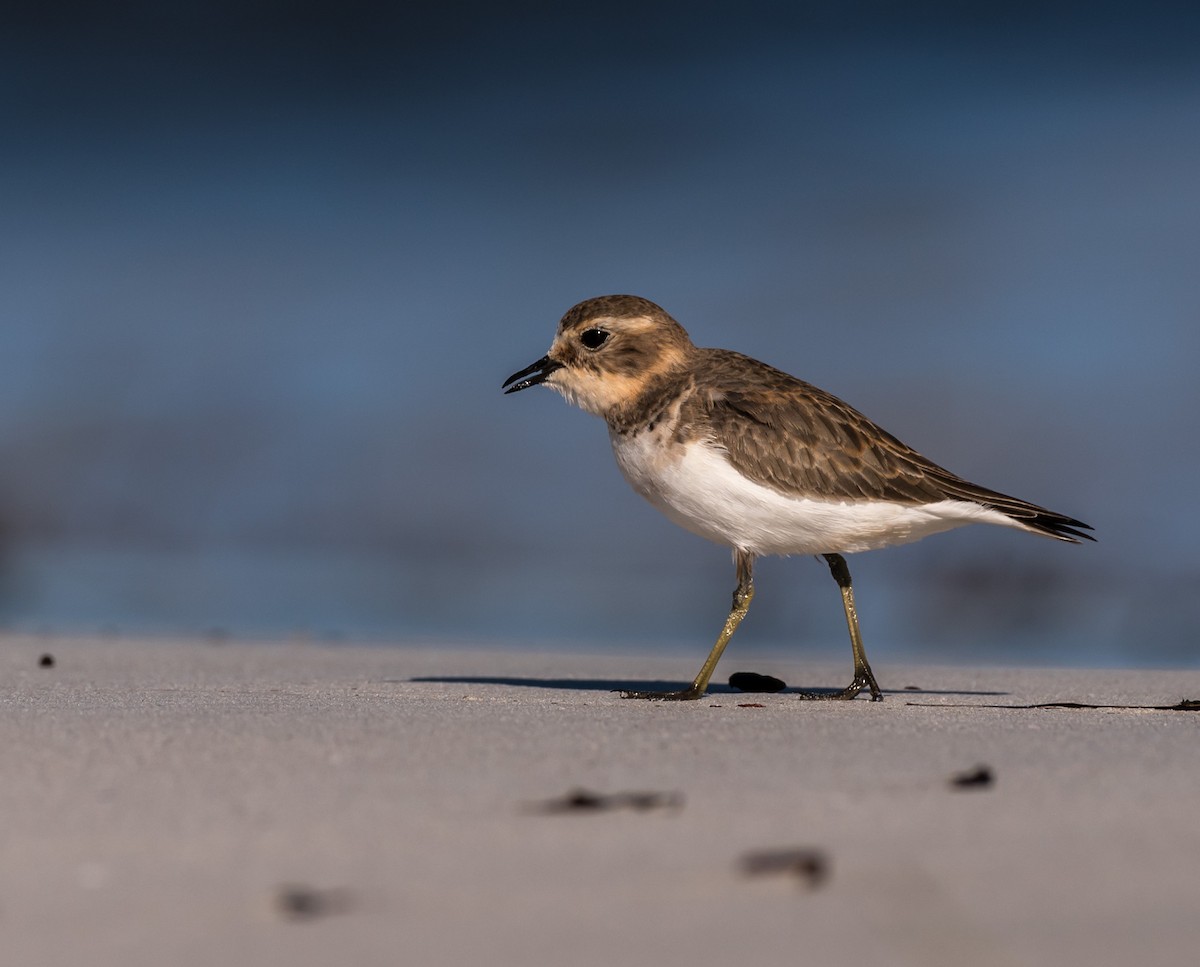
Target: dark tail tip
point(1059, 527)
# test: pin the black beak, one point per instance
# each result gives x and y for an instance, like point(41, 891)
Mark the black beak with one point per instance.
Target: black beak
point(537, 373)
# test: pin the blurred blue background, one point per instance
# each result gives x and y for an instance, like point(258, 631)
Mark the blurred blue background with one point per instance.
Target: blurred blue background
point(263, 267)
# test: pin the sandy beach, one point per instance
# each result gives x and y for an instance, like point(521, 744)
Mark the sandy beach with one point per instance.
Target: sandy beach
point(223, 802)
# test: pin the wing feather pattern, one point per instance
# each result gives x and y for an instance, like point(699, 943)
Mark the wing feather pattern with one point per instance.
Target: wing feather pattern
point(799, 440)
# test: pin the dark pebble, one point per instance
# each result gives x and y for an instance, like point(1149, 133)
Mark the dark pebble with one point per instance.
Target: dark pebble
point(754, 682)
point(46, 661)
point(306, 903)
point(981, 777)
point(811, 866)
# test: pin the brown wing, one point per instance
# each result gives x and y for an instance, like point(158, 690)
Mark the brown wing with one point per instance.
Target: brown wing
point(799, 440)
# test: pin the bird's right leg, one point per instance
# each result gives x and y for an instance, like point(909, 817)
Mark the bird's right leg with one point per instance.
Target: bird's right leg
point(863, 676)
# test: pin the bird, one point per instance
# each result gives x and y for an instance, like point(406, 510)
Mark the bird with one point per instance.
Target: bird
point(747, 456)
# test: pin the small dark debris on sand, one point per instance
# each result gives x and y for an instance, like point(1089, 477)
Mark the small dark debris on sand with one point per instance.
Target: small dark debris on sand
point(586, 801)
point(1183, 705)
point(46, 661)
point(981, 777)
point(912, 688)
point(754, 682)
point(299, 902)
point(810, 866)
point(751, 705)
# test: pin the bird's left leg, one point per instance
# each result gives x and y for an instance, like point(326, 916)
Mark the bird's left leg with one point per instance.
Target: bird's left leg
point(742, 596)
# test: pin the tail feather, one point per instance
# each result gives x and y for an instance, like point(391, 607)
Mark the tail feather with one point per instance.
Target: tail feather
point(1031, 517)
point(1053, 525)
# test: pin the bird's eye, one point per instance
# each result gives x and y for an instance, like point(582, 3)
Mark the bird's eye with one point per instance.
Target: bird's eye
point(593, 338)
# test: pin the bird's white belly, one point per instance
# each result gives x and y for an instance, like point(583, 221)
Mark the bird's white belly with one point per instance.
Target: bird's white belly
point(700, 490)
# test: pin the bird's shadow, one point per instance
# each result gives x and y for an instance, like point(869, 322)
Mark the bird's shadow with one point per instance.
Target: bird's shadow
point(631, 685)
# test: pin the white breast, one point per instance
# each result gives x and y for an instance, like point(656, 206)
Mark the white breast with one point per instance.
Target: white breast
point(699, 489)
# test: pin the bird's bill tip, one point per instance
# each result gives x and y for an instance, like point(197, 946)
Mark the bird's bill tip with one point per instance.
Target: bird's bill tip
point(531, 375)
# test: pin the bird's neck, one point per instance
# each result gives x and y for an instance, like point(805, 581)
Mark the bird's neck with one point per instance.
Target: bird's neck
point(659, 399)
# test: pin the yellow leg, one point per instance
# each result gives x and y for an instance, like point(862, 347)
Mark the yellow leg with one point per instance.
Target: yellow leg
point(742, 597)
point(863, 677)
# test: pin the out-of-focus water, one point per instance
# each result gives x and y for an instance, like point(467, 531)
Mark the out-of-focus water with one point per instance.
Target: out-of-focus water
point(262, 279)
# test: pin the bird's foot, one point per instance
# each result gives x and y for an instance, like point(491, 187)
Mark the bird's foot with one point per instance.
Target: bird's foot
point(863, 679)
